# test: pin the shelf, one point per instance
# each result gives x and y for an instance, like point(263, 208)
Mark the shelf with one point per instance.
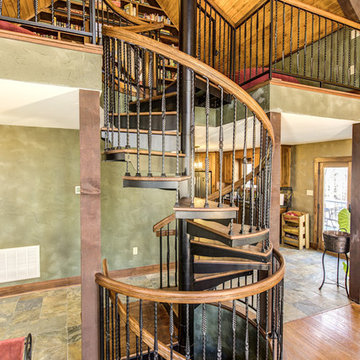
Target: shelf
point(295, 229)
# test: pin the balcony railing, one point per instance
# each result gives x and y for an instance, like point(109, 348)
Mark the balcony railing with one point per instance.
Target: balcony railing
point(282, 39)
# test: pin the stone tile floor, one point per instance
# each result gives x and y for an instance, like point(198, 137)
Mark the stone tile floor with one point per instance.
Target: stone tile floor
point(53, 317)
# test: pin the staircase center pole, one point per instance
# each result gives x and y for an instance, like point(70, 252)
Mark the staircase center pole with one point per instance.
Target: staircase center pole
point(187, 43)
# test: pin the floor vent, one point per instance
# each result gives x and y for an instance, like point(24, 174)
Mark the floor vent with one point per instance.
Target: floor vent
point(19, 263)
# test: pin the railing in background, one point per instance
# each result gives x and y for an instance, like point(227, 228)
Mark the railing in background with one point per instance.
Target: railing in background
point(230, 323)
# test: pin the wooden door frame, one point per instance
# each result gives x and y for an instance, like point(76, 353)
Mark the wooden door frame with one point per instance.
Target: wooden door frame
point(318, 162)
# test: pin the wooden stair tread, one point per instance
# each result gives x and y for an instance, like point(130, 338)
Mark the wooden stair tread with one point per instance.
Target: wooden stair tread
point(217, 275)
point(223, 230)
point(141, 131)
point(154, 98)
point(226, 261)
point(184, 205)
point(141, 152)
point(146, 113)
point(156, 178)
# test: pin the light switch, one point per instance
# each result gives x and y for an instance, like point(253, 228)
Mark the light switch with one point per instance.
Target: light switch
point(77, 190)
point(309, 193)
point(135, 250)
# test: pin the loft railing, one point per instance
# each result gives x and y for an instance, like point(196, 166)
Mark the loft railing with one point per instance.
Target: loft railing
point(281, 37)
point(231, 321)
point(79, 20)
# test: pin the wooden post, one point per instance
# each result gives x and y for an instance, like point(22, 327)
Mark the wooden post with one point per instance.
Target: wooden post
point(275, 119)
point(89, 102)
point(355, 217)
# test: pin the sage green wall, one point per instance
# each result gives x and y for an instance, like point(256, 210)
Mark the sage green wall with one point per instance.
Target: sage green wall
point(302, 171)
point(39, 170)
point(25, 61)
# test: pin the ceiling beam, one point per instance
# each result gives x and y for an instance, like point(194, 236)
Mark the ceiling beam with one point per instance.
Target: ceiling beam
point(351, 9)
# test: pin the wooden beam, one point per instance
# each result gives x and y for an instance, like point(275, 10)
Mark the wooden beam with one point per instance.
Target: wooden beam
point(355, 217)
point(351, 9)
point(275, 119)
point(89, 102)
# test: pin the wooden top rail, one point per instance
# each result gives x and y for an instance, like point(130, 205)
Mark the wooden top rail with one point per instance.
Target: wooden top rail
point(194, 297)
point(198, 66)
point(159, 225)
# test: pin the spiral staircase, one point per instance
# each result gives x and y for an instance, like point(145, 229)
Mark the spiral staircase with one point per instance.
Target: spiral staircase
point(231, 306)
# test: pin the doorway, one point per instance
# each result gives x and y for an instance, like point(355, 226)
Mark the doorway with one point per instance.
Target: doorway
point(332, 194)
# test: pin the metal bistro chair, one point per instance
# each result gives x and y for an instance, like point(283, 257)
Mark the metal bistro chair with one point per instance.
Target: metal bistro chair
point(16, 349)
point(339, 243)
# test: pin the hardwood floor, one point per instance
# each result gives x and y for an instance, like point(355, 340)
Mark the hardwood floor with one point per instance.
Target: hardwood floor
point(332, 335)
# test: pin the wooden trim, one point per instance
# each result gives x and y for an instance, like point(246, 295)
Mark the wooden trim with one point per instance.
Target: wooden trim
point(164, 222)
point(250, 12)
point(88, 48)
point(280, 82)
point(14, 290)
point(334, 159)
point(221, 12)
point(122, 13)
point(157, 178)
point(193, 63)
point(194, 297)
point(145, 27)
point(323, 13)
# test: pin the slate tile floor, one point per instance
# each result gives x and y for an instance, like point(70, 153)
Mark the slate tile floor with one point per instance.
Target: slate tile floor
point(53, 317)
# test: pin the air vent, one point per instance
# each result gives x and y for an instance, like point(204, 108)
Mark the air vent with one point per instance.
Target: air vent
point(19, 263)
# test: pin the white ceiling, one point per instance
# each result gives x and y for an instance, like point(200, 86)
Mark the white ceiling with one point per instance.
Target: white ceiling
point(38, 105)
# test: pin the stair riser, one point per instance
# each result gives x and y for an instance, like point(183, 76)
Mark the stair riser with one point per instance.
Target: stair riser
point(204, 250)
point(209, 268)
point(156, 141)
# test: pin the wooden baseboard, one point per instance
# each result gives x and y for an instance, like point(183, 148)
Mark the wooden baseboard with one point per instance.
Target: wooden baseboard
point(14, 290)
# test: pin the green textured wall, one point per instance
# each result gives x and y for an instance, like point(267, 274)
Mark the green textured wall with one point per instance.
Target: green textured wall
point(39, 170)
point(302, 171)
point(25, 61)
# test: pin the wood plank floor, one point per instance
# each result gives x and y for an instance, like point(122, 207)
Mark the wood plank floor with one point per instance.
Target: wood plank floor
point(332, 335)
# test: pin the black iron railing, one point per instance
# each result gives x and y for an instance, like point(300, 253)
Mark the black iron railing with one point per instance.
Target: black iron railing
point(279, 38)
point(235, 320)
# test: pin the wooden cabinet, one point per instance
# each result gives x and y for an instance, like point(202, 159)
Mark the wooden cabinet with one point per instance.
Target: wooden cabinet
point(285, 174)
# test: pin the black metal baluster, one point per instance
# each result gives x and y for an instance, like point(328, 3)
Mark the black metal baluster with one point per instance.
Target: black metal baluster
point(269, 189)
point(265, 180)
point(177, 125)
point(232, 194)
point(156, 353)
point(343, 55)
point(107, 325)
point(261, 184)
point(112, 97)
point(283, 40)
point(199, 30)
point(209, 37)
point(1, 4)
point(349, 55)
point(119, 78)
point(68, 10)
point(106, 89)
point(127, 329)
point(192, 140)
point(18, 9)
point(247, 329)
point(355, 56)
point(331, 50)
point(234, 330)
point(257, 44)
point(266, 324)
point(219, 343)
point(298, 43)
point(161, 267)
point(250, 48)
point(35, 9)
point(187, 340)
point(291, 39)
point(318, 49)
point(141, 327)
point(137, 79)
point(112, 322)
point(305, 42)
point(325, 48)
point(203, 329)
point(205, 16)
point(221, 144)
point(168, 255)
point(244, 76)
point(312, 45)
point(151, 67)
point(263, 39)
point(171, 330)
point(244, 169)
point(276, 33)
point(281, 318)
point(214, 52)
point(252, 194)
point(228, 71)
point(207, 111)
point(258, 309)
point(239, 56)
point(223, 57)
point(176, 253)
point(117, 329)
point(163, 119)
point(337, 53)
point(101, 312)
point(219, 52)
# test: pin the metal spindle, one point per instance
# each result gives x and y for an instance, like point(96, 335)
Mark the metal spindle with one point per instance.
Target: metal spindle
point(128, 91)
point(18, 9)
point(156, 353)
point(192, 139)
point(250, 47)
point(106, 89)
point(337, 52)
point(119, 78)
point(107, 325)
point(199, 32)
point(305, 43)
point(223, 57)
point(234, 329)
point(239, 55)
point(258, 327)
point(112, 322)
point(207, 111)
point(291, 34)
point(318, 49)
point(253, 176)
point(168, 255)
point(257, 43)
point(244, 76)
point(68, 8)
point(171, 330)
point(137, 79)
point(221, 145)
point(127, 328)
point(247, 329)
point(276, 33)
point(244, 173)
point(205, 16)
point(209, 37)
point(117, 329)
point(177, 124)
point(203, 329)
point(151, 65)
point(176, 253)
point(219, 343)
point(161, 267)
point(349, 55)
point(266, 324)
point(187, 340)
point(112, 95)
point(101, 309)
point(355, 56)
point(325, 48)
point(140, 327)
point(35, 9)
point(298, 43)
point(331, 49)
point(283, 40)
point(219, 58)
point(163, 119)
point(312, 45)
point(263, 39)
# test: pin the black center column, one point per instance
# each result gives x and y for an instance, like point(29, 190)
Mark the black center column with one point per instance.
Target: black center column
point(187, 41)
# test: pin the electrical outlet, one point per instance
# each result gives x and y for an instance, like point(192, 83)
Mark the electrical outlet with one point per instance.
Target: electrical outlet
point(77, 190)
point(135, 250)
point(309, 193)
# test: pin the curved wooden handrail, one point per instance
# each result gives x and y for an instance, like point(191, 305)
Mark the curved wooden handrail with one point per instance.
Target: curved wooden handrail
point(194, 297)
point(159, 225)
point(198, 66)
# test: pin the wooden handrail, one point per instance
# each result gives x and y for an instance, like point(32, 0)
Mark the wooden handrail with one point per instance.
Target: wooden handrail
point(159, 225)
point(122, 13)
point(148, 338)
point(198, 66)
point(194, 297)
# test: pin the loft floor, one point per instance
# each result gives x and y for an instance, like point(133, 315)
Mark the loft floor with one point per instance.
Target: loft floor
point(53, 316)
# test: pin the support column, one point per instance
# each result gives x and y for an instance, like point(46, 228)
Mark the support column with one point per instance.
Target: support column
point(187, 44)
point(355, 217)
point(89, 114)
point(275, 119)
